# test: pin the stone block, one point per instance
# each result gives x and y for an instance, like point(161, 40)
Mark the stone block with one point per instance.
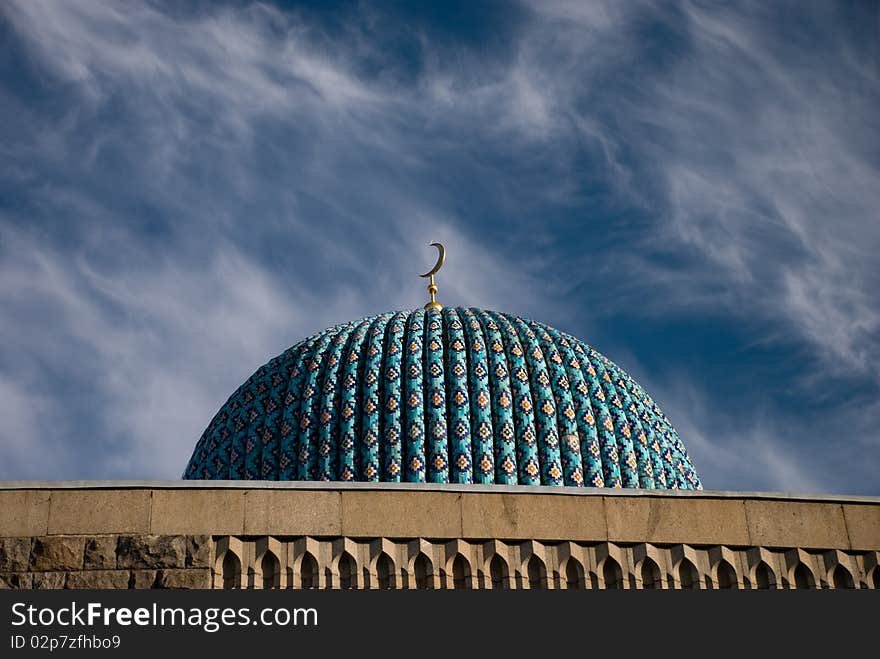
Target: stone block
point(98, 580)
point(533, 516)
point(401, 514)
point(15, 554)
point(292, 512)
point(198, 551)
point(100, 553)
point(54, 553)
point(24, 512)
point(212, 512)
point(796, 524)
point(19, 581)
point(192, 578)
point(99, 511)
point(690, 520)
point(49, 580)
point(863, 526)
point(150, 551)
point(143, 579)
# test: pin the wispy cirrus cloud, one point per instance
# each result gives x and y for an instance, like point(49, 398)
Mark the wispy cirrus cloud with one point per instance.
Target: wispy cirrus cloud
point(747, 148)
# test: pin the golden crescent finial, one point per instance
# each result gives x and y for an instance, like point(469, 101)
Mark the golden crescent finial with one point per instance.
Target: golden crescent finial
point(441, 259)
point(432, 287)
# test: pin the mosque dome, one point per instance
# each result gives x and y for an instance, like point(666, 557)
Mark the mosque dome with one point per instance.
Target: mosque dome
point(450, 395)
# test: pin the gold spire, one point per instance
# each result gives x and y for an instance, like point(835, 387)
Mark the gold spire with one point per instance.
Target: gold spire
point(432, 287)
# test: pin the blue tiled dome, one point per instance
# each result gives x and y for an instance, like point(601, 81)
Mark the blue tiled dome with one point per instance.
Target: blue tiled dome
point(452, 396)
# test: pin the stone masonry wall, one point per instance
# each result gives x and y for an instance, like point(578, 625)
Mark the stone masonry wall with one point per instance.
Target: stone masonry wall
point(177, 561)
point(106, 561)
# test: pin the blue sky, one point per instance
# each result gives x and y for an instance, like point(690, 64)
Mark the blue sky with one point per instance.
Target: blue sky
point(691, 187)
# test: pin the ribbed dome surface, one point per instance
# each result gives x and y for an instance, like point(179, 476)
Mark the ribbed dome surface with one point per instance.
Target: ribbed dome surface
point(452, 396)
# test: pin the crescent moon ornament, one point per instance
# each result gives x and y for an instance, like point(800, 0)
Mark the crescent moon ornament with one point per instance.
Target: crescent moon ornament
point(432, 287)
point(441, 259)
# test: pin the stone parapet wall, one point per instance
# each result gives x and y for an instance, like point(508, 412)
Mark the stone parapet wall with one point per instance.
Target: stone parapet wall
point(383, 510)
point(120, 535)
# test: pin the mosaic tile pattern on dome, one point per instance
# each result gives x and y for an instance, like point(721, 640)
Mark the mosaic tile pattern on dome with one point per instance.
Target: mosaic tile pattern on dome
point(444, 396)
